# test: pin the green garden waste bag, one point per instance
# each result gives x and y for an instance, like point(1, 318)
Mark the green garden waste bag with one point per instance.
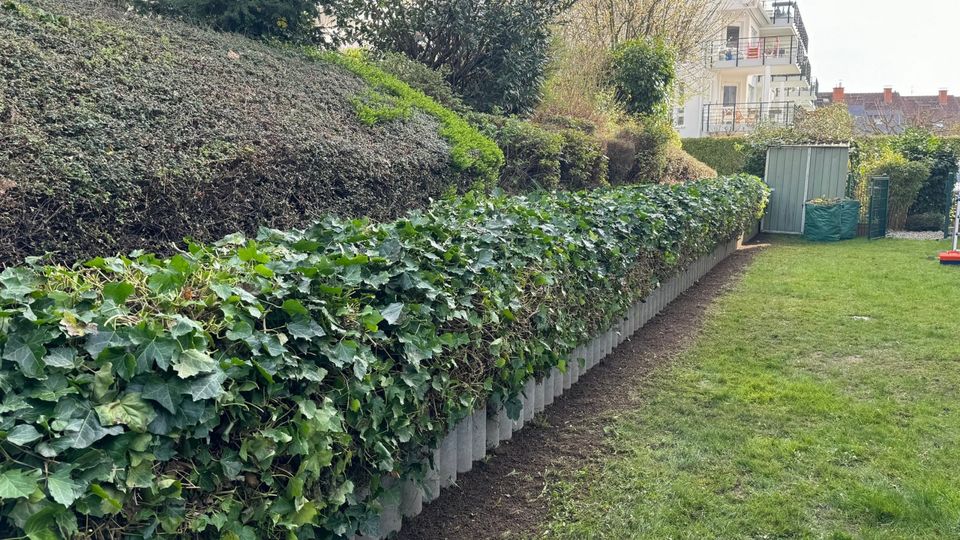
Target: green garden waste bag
point(822, 222)
point(849, 218)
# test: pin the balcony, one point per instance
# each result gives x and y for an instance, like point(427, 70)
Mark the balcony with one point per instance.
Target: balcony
point(746, 117)
point(785, 13)
point(757, 52)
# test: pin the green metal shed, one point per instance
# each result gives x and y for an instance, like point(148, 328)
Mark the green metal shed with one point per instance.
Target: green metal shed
point(798, 173)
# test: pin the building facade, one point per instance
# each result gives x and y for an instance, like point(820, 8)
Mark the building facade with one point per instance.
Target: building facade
point(757, 72)
point(890, 113)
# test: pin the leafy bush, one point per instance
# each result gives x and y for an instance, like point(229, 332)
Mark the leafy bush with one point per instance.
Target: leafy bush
point(682, 167)
point(583, 163)
point(906, 179)
point(725, 154)
point(642, 74)
point(925, 222)
point(293, 20)
point(261, 389)
point(639, 152)
point(495, 52)
point(122, 133)
point(542, 158)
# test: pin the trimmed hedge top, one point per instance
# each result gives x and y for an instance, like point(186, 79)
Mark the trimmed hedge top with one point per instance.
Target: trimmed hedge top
point(256, 388)
point(124, 132)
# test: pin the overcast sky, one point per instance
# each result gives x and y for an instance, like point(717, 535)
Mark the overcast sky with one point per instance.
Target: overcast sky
point(913, 45)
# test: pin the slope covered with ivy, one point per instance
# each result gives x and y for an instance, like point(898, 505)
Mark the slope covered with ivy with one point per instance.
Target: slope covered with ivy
point(122, 132)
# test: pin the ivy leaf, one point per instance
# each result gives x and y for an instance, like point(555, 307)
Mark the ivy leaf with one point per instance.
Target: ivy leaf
point(64, 489)
point(26, 354)
point(15, 283)
point(156, 389)
point(23, 434)
point(193, 362)
point(117, 291)
point(130, 410)
point(303, 327)
point(103, 379)
point(81, 433)
point(108, 337)
point(61, 357)
point(41, 525)
point(240, 331)
point(206, 387)
point(344, 353)
point(17, 484)
point(392, 313)
point(159, 351)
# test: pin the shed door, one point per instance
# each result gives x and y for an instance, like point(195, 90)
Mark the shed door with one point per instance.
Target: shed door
point(800, 173)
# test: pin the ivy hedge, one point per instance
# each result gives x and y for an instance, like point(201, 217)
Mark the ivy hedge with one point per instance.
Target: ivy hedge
point(261, 388)
point(123, 132)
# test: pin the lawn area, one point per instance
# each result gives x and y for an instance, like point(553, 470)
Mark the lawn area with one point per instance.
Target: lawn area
point(822, 400)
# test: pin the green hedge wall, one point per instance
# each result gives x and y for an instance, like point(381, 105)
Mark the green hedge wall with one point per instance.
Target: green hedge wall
point(725, 154)
point(260, 388)
point(121, 132)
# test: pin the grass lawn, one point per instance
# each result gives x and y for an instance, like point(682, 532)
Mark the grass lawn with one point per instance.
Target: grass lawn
point(822, 400)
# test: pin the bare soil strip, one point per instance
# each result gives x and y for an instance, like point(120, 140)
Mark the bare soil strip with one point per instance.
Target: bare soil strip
point(505, 496)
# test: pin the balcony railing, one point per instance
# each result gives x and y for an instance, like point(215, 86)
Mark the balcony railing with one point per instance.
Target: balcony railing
point(759, 51)
point(786, 13)
point(746, 117)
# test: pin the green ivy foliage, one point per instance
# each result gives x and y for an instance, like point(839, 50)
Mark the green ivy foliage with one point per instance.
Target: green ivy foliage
point(261, 388)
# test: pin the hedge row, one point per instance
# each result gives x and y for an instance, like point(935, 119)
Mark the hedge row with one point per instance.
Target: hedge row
point(724, 154)
point(262, 388)
point(123, 132)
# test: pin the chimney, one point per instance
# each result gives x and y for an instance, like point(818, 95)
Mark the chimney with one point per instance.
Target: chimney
point(944, 97)
point(838, 94)
point(888, 95)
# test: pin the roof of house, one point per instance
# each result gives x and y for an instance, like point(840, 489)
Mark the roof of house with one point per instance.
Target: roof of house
point(902, 111)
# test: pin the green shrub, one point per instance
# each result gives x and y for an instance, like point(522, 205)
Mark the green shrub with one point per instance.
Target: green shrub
point(925, 222)
point(639, 152)
point(261, 389)
point(682, 167)
point(642, 74)
point(725, 154)
point(121, 132)
point(537, 157)
point(906, 179)
point(293, 20)
point(531, 154)
point(494, 53)
point(583, 163)
point(430, 81)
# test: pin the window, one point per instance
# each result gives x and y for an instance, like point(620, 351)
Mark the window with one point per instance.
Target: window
point(733, 35)
point(729, 96)
point(679, 117)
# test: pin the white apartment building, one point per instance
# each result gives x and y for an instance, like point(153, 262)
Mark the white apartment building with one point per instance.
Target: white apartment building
point(757, 72)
